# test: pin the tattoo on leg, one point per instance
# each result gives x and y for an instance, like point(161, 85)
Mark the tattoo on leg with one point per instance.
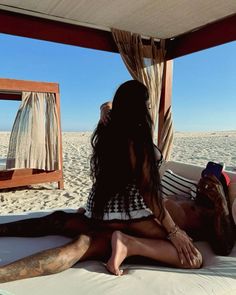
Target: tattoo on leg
point(43, 263)
point(35, 265)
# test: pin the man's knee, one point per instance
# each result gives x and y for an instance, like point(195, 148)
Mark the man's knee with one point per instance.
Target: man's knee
point(83, 241)
point(224, 236)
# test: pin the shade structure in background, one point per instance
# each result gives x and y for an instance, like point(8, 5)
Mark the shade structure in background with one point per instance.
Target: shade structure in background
point(35, 148)
point(34, 137)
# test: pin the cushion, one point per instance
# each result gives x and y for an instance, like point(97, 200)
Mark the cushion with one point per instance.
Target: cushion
point(174, 184)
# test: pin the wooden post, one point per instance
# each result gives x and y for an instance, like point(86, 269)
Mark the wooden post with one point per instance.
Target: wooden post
point(61, 181)
point(166, 93)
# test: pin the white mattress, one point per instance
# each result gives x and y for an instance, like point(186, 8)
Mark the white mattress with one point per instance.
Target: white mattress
point(217, 277)
point(3, 164)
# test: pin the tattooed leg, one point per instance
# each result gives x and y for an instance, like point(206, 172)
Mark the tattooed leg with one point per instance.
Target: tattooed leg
point(46, 262)
point(57, 223)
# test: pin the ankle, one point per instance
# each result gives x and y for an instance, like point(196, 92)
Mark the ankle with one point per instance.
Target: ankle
point(130, 244)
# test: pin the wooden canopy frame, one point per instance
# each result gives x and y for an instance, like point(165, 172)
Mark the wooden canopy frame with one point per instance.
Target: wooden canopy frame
point(11, 89)
point(213, 34)
point(210, 35)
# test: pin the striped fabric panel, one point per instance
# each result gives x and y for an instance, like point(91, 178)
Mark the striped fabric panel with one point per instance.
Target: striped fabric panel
point(174, 184)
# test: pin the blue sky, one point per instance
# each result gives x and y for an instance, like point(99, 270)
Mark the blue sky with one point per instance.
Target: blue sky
point(204, 84)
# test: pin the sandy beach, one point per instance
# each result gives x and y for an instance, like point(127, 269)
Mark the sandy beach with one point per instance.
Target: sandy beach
point(189, 147)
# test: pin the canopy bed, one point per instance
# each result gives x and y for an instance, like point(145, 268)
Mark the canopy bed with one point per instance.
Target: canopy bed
point(148, 35)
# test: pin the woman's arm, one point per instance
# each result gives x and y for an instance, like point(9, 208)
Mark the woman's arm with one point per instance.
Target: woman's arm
point(181, 241)
point(179, 238)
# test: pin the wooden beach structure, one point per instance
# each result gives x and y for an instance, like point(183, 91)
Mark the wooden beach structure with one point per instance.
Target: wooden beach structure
point(185, 26)
point(139, 30)
point(11, 89)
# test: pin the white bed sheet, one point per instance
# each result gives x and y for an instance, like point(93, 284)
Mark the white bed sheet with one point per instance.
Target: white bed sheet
point(217, 277)
point(3, 162)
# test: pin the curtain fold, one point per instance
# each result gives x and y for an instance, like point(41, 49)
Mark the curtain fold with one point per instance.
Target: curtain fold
point(166, 138)
point(34, 137)
point(145, 64)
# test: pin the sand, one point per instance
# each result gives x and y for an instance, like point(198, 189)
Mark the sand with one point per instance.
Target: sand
point(194, 148)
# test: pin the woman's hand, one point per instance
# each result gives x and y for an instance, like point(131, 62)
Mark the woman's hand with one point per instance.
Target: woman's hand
point(183, 244)
point(105, 111)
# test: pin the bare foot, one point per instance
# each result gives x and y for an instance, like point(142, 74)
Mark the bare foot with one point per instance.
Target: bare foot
point(119, 243)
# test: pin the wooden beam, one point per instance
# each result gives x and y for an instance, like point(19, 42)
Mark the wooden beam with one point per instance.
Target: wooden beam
point(13, 85)
point(211, 35)
point(24, 177)
point(10, 96)
point(49, 30)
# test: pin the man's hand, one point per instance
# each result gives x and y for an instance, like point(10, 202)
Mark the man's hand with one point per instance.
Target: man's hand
point(105, 111)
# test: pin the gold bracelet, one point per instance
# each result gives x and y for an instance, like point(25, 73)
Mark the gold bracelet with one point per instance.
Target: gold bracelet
point(173, 232)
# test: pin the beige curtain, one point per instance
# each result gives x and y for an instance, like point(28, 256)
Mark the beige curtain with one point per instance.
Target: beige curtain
point(166, 137)
point(34, 137)
point(145, 63)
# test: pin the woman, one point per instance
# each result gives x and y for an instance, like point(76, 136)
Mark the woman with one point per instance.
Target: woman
point(125, 196)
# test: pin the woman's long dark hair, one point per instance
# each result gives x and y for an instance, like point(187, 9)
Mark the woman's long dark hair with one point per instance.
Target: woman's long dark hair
point(111, 169)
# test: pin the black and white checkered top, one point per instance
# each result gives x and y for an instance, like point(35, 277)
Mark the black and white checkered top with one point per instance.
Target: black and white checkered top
point(114, 210)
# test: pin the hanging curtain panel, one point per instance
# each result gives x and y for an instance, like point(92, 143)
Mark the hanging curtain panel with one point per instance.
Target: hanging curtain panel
point(52, 134)
point(146, 64)
point(167, 135)
point(34, 137)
